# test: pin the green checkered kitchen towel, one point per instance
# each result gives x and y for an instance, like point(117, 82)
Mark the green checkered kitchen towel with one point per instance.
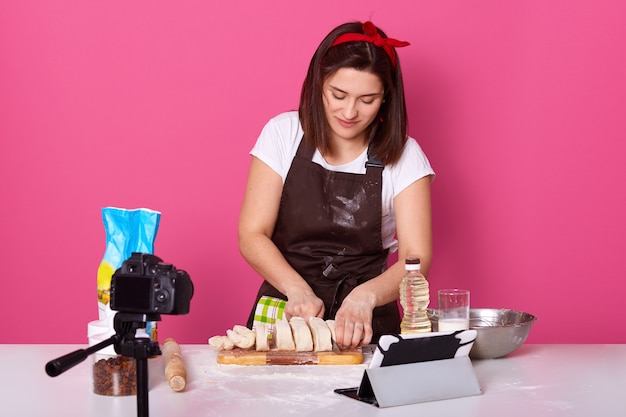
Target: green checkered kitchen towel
point(268, 310)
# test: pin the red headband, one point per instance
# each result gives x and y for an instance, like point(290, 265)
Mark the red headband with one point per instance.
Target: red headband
point(371, 35)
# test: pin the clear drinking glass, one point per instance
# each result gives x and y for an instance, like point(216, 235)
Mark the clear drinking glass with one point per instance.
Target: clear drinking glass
point(454, 306)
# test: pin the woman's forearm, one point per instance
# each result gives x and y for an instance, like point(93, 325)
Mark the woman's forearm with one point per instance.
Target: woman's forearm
point(385, 288)
point(265, 258)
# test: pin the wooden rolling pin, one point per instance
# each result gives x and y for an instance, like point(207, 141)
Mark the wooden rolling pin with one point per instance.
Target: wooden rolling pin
point(175, 372)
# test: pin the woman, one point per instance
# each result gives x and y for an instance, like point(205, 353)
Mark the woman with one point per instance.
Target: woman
point(337, 186)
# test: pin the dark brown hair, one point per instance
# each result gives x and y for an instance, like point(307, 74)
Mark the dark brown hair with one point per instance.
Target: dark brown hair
point(388, 133)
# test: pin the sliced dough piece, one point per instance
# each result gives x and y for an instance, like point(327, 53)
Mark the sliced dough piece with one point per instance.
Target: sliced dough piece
point(221, 342)
point(321, 335)
point(248, 336)
point(242, 330)
point(241, 337)
point(301, 334)
point(331, 327)
point(234, 337)
point(284, 338)
point(262, 342)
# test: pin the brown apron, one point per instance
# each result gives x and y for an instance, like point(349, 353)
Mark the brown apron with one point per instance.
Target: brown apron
point(329, 229)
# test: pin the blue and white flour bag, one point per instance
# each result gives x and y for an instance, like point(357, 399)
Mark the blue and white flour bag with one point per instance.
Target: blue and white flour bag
point(127, 231)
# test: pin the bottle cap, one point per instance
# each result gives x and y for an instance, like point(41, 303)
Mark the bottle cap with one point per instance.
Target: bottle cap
point(412, 264)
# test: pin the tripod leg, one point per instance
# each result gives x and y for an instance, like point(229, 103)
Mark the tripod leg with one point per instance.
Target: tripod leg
point(142, 387)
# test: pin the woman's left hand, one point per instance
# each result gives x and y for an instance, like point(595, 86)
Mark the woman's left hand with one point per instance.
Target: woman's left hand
point(353, 321)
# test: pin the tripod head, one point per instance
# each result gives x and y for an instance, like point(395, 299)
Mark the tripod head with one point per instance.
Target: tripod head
point(124, 342)
point(127, 344)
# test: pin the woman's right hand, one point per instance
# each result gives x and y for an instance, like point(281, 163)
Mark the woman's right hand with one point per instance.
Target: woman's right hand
point(303, 303)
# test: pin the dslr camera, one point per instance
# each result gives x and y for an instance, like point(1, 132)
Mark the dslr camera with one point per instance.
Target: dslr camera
point(143, 284)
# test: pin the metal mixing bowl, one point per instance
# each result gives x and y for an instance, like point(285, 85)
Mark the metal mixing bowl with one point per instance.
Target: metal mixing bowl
point(500, 331)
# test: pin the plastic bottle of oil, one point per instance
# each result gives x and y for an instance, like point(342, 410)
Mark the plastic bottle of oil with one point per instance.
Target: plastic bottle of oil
point(414, 298)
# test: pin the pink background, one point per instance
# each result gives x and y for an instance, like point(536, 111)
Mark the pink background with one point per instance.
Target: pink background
point(519, 105)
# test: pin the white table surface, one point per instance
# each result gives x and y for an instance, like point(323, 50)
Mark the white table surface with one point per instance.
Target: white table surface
point(536, 381)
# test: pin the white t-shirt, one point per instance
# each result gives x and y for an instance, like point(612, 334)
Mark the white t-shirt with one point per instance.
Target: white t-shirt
point(279, 141)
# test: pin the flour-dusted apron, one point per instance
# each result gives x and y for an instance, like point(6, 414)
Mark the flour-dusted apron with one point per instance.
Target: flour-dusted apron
point(329, 229)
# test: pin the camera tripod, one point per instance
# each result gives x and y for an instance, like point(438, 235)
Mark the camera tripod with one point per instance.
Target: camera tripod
point(126, 344)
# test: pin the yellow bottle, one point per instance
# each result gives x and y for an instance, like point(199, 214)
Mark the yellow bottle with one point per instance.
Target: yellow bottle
point(414, 298)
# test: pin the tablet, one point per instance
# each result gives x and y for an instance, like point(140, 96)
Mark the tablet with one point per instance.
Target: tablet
point(378, 386)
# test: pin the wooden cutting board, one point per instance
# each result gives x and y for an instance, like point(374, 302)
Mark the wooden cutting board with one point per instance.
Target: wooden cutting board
point(239, 356)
